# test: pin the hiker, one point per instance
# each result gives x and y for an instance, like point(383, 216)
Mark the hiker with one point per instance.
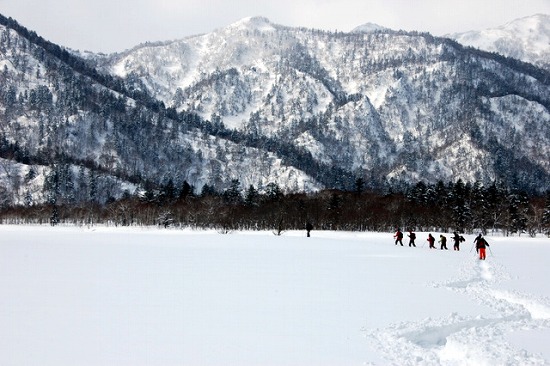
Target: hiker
point(309, 227)
point(398, 237)
point(457, 239)
point(431, 240)
point(412, 237)
point(481, 244)
point(443, 241)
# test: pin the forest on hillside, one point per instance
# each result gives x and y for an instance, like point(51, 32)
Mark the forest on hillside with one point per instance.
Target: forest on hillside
point(457, 206)
point(306, 131)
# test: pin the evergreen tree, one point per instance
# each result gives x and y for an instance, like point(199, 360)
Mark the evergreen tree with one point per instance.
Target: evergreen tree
point(458, 202)
point(186, 190)
point(93, 187)
point(252, 196)
point(54, 218)
point(517, 206)
point(51, 185)
point(28, 198)
point(233, 193)
point(168, 191)
point(273, 191)
point(546, 215)
point(207, 190)
point(359, 185)
point(495, 206)
point(31, 174)
point(334, 210)
point(478, 207)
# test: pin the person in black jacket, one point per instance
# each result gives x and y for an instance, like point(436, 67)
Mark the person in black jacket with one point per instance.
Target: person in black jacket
point(481, 244)
point(309, 227)
point(431, 240)
point(457, 239)
point(412, 238)
point(443, 241)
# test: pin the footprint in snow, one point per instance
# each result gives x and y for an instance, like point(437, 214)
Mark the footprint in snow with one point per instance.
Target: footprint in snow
point(475, 340)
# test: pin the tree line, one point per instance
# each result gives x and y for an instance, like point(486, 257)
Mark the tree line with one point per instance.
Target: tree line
point(455, 206)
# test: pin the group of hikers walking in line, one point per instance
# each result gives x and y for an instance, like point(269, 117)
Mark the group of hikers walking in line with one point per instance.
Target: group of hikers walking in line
point(479, 242)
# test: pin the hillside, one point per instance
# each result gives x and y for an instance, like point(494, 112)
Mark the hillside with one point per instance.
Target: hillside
point(383, 104)
point(259, 104)
point(85, 135)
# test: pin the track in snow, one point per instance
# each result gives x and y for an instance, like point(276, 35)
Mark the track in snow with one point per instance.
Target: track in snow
point(459, 340)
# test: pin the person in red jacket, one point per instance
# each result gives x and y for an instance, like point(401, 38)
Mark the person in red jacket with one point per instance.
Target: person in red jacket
point(398, 237)
point(431, 240)
point(481, 244)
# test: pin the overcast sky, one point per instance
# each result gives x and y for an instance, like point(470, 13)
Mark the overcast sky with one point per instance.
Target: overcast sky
point(116, 25)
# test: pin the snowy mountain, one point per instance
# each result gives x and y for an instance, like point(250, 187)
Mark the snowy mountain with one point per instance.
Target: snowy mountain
point(379, 104)
point(266, 104)
point(368, 28)
point(527, 39)
point(83, 135)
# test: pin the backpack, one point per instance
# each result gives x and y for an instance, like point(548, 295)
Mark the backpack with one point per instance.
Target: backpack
point(481, 243)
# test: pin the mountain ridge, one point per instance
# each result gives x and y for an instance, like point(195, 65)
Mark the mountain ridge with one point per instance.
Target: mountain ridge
point(318, 74)
point(267, 104)
point(526, 39)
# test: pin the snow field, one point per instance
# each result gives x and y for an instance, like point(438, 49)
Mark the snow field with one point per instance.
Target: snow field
point(107, 296)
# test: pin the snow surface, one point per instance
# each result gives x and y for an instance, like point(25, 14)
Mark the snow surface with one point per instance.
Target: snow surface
point(131, 296)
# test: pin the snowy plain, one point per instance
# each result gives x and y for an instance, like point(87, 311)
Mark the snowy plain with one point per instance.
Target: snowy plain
point(149, 296)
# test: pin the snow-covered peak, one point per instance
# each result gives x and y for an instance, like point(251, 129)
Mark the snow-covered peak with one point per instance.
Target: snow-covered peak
point(256, 23)
point(527, 39)
point(368, 28)
point(537, 23)
point(315, 89)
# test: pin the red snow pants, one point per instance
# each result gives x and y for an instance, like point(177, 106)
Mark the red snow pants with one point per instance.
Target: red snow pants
point(481, 253)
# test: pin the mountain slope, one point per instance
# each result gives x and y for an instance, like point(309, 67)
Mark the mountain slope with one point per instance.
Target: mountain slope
point(527, 39)
point(383, 105)
point(262, 103)
point(86, 135)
